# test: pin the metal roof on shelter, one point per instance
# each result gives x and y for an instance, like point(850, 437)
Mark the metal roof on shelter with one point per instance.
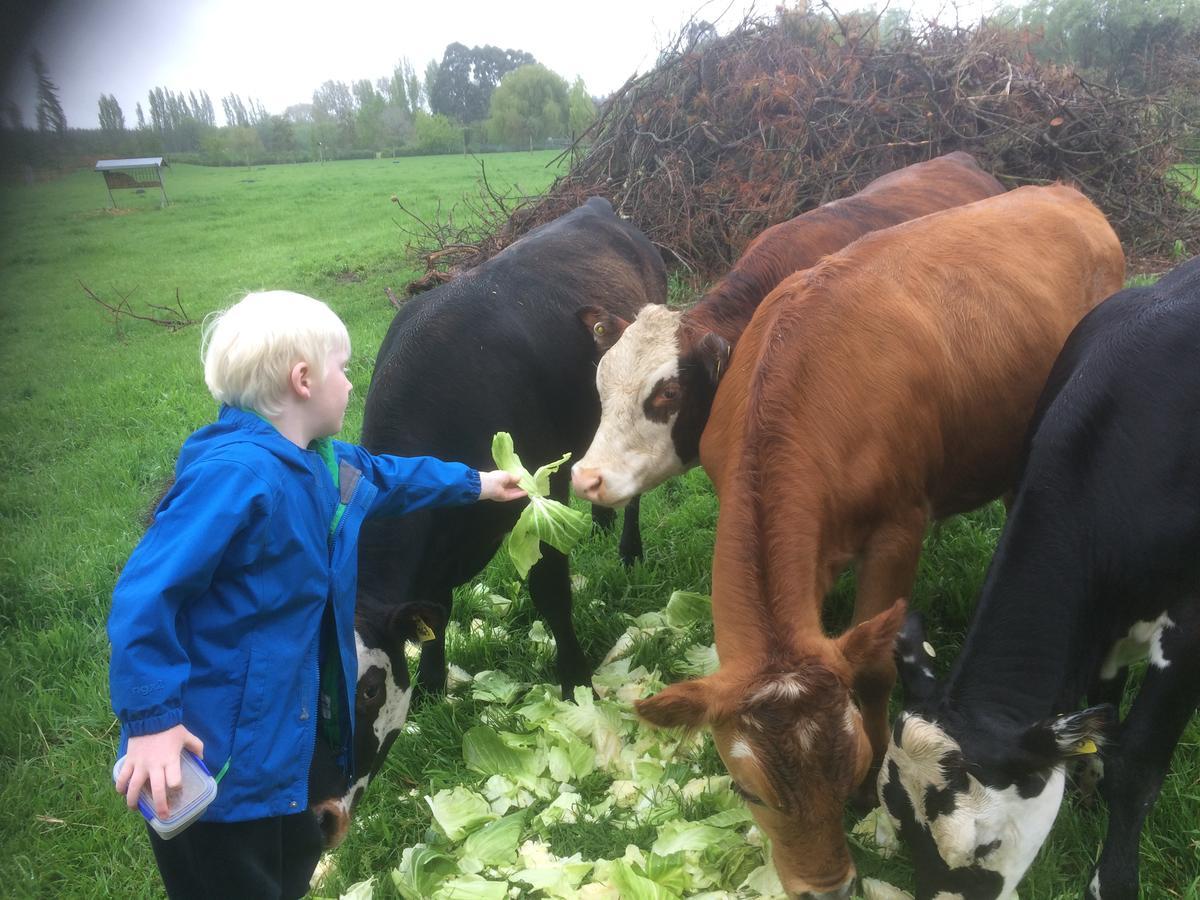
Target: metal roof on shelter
point(105, 165)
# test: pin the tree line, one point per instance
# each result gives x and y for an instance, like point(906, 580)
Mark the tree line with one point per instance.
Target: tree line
point(474, 99)
point(485, 97)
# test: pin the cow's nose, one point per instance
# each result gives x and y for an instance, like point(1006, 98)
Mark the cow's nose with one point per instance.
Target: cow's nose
point(587, 483)
point(841, 893)
point(333, 821)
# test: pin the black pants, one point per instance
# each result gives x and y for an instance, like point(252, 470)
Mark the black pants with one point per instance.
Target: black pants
point(263, 859)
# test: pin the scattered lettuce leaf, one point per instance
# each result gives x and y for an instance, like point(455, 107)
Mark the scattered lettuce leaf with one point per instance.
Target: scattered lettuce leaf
point(471, 887)
point(458, 811)
point(687, 608)
point(362, 890)
point(421, 870)
point(494, 687)
point(495, 844)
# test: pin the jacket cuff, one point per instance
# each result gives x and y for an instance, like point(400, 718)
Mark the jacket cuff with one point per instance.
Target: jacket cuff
point(474, 485)
point(154, 724)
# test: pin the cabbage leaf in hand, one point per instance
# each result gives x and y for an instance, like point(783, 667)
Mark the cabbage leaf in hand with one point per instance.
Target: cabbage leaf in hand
point(543, 519)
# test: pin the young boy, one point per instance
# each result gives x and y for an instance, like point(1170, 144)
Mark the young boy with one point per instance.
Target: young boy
point(219, 616)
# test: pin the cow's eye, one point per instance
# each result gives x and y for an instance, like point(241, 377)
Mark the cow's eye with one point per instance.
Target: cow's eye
point(669, 393)
point(370, 692)
point(745, 794)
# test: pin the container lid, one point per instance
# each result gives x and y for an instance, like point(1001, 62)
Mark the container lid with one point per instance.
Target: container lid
point(197, 791)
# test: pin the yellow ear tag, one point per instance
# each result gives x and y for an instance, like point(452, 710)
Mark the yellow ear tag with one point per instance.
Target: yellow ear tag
point(598, 329)
point(424, 632)
point(1083, 748)
point(929, 649)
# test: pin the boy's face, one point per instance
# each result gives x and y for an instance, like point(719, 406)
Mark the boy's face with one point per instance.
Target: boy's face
point(330, 395)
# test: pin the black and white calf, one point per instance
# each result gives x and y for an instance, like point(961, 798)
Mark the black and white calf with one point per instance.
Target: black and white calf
point(1098, 565)
point(507, 346)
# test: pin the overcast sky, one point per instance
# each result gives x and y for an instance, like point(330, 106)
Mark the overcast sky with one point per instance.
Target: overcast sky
point(278, 52)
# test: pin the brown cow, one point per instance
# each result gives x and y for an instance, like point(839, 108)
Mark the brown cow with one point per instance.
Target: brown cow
point(658, 376)
point(889, 385)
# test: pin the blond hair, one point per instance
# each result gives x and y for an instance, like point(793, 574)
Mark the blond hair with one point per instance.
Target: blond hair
point(250, 348)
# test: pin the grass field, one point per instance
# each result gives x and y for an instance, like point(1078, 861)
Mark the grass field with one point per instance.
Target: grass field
point(92, 414)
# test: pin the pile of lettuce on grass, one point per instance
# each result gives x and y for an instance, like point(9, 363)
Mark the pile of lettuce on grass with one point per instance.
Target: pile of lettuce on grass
point(557, 775)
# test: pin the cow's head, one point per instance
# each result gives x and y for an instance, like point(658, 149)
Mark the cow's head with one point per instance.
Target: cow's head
point(974, 794)
point(655, 396)
point(793, 741)
point(381, 700)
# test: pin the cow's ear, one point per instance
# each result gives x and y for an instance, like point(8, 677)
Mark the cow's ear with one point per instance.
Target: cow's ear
point(417, 623)
point(1060, 738)
point(685, 704)
point(914, 660)
point(713, 352)
point(605, 327)
point(868, 641)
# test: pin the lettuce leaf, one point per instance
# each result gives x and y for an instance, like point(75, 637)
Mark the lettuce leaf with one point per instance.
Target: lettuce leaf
point(543, 520)
point(421, 870)
point(459, 811)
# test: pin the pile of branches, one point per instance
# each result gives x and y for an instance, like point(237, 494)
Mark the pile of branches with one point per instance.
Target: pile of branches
point(733, 134)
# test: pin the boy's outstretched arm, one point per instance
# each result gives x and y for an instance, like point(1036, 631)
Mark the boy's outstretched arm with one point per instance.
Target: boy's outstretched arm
point(409, 483)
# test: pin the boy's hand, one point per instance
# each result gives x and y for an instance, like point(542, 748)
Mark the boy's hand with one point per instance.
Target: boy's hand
point(499, 485)
point(155, 758)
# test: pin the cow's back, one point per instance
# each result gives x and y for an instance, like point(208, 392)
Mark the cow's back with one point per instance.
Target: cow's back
point(909, 364)
point(501, 347)
point(799, 243)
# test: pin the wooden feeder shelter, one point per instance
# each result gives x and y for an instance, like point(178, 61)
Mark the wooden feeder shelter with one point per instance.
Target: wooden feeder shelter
point(142, 173)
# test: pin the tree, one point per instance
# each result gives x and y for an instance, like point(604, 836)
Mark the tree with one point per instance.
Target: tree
point(529, 105)
point(112, 120)
point(462, 89)
point(50, 116)
point(244, 144)
point(431, 76)
point(581, 111)
point(141, 116)
point(333, 109)
point(435, 133)
point(1120, 40)
point(368, 122)
point(11, 114)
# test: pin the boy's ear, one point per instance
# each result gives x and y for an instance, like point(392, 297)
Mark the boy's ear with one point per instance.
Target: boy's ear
point(417, 623)
point(300, 378)
point(605, 327)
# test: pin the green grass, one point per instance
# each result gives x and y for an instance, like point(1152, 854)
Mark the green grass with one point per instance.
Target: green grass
point(91, 417)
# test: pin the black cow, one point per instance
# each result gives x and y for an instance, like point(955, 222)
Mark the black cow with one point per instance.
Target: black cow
point(1098, 565)
point(504, 347)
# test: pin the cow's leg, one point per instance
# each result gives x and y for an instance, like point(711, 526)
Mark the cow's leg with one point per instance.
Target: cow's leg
point(603, 517)
point(431, 670)
point(550, 590)
point(1134, 769)
point(885, 574)
point(631, 532)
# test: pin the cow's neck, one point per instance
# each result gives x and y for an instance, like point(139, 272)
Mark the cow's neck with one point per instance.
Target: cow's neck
point(768, 583)
point(1035, 639)
point(727, 308)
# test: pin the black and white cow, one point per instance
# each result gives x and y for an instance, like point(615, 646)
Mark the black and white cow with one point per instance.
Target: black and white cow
point(507, 346)
point(1098, 566)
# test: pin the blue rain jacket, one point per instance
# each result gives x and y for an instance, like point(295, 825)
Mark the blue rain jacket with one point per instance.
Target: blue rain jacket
point(216, 617)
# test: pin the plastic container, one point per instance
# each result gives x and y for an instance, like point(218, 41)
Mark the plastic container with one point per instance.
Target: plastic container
point(186, 804)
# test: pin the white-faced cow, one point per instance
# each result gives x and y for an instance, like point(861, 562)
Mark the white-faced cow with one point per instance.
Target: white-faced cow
point(889, 385)
point(658, 375)
point(1098, 566)
point(500, 348)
